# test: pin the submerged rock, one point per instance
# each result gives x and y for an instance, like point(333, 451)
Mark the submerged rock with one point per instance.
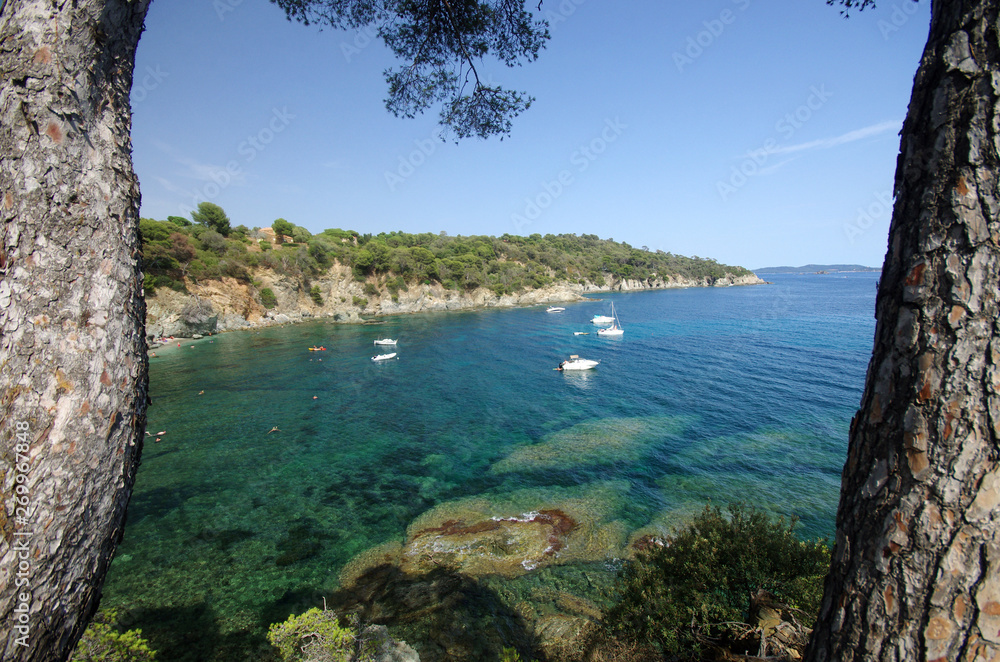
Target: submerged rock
point(592, 443)
point(387, 649)
point(502, 545)
point(456, 587)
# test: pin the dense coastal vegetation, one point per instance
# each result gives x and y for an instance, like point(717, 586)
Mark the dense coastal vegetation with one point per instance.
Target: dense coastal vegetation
point(178, 250)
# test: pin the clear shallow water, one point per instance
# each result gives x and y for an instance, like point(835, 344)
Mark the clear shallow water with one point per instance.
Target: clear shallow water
point(712, 394)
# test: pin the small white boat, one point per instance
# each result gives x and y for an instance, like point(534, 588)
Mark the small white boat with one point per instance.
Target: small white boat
point(554, 309)
point(616, 327)
point(576, 363)
point(384, 357)
point(581, 333)
point(385, 341)
point(602, 319)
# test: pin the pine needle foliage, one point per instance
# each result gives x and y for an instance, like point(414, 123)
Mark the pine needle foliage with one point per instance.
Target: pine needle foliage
point(103, 641)
point(318, 636)
point(445, 47)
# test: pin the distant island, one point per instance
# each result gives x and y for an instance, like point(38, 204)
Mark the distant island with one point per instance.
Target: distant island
point(816, 269)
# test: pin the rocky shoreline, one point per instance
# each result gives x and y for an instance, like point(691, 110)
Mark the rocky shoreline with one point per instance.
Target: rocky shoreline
point(217, 306)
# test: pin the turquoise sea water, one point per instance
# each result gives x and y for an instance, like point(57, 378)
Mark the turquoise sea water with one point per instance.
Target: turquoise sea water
point(741, 393)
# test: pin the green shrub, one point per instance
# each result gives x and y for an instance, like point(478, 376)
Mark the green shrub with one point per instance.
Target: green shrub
point(152, 281)
point(103, 642)
point(394, 285)
point(680, 594)
point(316, 295)
point(267, 298)
point(360, 302)
point(317, 636)
point(511, 655)
point(151, 230)
point(213, 241)
point(371, 289)
point(282, 228)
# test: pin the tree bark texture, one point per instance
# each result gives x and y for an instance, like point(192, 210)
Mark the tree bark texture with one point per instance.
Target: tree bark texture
point(73, 368)
point(916, 562)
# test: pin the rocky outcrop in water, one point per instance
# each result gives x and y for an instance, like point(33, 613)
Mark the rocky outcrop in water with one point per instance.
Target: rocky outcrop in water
point(227, 305)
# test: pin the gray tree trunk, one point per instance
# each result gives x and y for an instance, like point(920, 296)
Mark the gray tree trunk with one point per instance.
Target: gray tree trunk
point(73, 365)
point(916, 567)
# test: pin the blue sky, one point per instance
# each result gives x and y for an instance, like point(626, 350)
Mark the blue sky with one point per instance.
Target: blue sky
point(756, 133)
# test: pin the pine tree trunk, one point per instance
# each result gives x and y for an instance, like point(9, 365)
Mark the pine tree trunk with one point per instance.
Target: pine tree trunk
point(73, 371)
point(916, 567)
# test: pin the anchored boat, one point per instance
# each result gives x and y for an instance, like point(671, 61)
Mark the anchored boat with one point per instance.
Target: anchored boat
point(576, 363)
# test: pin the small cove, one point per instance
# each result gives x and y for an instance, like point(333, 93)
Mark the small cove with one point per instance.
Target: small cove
point(718, 395)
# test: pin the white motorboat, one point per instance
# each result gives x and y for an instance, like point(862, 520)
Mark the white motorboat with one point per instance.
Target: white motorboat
point(554, 309)
point(616, 327)
point(602, 319)
point(576, 363)
point(385, 341)
point(384, 357)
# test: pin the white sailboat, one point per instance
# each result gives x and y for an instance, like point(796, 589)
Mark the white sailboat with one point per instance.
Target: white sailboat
point(616, 326)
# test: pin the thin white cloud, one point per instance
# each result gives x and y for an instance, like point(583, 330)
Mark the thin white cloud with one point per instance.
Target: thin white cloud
point(170, 187)
point(200, 171)
point(210, 172)
point(777, 166)
point(849, 137)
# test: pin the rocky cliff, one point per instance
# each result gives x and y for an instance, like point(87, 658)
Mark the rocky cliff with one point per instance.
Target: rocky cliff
point(227, 304)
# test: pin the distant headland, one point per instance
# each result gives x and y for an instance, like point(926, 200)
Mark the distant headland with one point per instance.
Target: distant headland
point(204, 276)
point(816, 269)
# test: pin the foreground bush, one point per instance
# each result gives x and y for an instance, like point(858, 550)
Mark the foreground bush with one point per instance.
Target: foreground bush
point(698, 587)
point(102, 642)
point(317, 636)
